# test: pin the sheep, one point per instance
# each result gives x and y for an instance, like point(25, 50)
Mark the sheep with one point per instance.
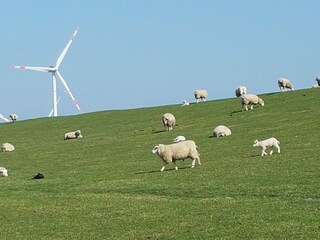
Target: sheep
point(250, 100)
point(201, 95)
point(318, 80)
point(185, 103)
point(240, 91)
point(221, 131)
point(7, 147)
point(73, 135)
point(13, 117)
point(177, 151)
point(270, 142)
point(179, 139)
point(284, 84)
point(3, 172)
point(168, 121)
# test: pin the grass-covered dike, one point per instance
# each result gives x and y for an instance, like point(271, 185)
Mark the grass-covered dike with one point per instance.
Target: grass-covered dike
point(108, 185)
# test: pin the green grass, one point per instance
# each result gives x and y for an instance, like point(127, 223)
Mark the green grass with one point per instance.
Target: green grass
point(108, 185)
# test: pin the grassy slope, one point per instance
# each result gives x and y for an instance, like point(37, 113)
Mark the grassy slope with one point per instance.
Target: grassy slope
point(107, 185)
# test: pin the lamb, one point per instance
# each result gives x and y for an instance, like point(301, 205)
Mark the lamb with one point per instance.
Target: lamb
point(270, 142)
point(7, 147)
point(177, 151)
point(73, 135)
point(221, 131)
point(13, 117)
point(284, 84)
point(179, 139)
point(185, 103)
point(3, 172)
point(250, 100)
point(201, 95)
point(240, 91)
point(168, 121)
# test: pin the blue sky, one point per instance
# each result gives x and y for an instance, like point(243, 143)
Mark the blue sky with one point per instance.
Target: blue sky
point(142, 53)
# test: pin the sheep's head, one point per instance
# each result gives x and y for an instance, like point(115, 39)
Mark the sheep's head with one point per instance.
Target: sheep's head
point(255, 143)
point(155, 150)
point(261, 102)
point(78, 134)
point(4, 173)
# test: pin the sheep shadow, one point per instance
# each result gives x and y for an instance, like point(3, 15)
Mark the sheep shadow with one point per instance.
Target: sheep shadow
point(158, 171)
point(159, 131)
point(236, 112)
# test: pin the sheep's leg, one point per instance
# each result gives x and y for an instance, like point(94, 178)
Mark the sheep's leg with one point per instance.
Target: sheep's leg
point(162, 169)
point(278, 148)
point(263, 152)
point(246, 107)
point(199, 162)
point(175, 165)
point(193, 163)
point(251, 107)
point(271, 151)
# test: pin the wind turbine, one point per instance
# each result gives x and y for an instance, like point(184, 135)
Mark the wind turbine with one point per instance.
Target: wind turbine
point(54, 70)
point(4, 118)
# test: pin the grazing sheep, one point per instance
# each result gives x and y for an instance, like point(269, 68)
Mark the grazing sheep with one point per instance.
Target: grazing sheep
point(7, 147)
point(284, 84)
point(250, 100)
point(73, 135)
point(3, 172)
point(185, 103)
point(221, 131)
point(240, 91)
point(201, 95)
point(318, 80)
point(177, 151)
point(270, 142)
point(13, 117)
point(179, 139)
point(168, 121)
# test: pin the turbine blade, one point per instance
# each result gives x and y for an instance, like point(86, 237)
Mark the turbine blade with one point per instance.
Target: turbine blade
point(64, 52)
point(69, 92)
point(40, 69)
point(4, 118)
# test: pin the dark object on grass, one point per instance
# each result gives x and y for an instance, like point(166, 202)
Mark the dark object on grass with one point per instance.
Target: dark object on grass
point(38, 176)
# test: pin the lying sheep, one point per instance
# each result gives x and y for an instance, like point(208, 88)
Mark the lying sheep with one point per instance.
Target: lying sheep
point(240, 91)
point(200, 95)
point(3, 172)
point(177, 151)
point(13, 117)
point(268, 143)
point(179, 139)
point(168, 121)
point(185, 103)
point(284, 84)
point(7, 147)
point(221, 131)
point(73, 135)
point(250, 100)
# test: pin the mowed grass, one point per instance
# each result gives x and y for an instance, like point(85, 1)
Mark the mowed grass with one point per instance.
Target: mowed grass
point(108, 185)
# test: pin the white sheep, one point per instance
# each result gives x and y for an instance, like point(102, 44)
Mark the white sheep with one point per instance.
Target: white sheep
point(177, 151)
point(201, 95)
point(7, 147)
point(250, 100)
point(179, 139)
point(268, 143)
point(168, 121)
point(318, 80)
point(284, 84)
point(3, 172)
point(240, 91)
point(185, 103)
point(13, 117)
point(73, 135)
point(221, 131)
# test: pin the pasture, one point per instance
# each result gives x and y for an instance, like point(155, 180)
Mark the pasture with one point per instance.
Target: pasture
point(108, 185)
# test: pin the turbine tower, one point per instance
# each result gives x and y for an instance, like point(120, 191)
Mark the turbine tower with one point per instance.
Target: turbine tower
point(54, 70)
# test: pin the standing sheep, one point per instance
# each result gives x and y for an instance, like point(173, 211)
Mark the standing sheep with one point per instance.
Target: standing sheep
point(13, 117)
point(7, 147)
point(240, 91)
point(177, 151)
point(250, 100)
point(270, 142)
point(284, 84)
point(73, 135)
point(201, 95)
point(168, 121)
point(221, 131)
point(3, 172)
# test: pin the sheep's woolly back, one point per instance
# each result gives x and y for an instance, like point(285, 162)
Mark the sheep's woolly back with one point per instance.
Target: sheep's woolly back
point(221, 131)
point(168, 120)
point(251, 98)
point(178, 151)
point(7, 147)
point(200, 94)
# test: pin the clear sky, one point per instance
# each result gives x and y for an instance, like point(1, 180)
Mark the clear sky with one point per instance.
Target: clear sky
point(142, 53)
